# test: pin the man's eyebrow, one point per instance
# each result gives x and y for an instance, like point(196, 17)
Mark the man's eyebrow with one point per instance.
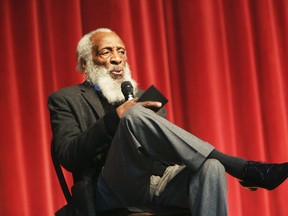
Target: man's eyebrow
point(112, 47)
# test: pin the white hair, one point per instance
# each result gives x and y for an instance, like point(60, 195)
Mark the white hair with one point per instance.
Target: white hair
point(84, 48)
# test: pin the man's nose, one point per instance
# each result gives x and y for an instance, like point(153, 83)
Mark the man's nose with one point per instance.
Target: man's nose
point(115, 58)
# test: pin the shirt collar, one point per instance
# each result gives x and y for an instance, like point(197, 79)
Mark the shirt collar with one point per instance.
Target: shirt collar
point(97, 88)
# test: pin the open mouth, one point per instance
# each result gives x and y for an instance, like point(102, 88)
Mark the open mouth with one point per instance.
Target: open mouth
point(117, 72)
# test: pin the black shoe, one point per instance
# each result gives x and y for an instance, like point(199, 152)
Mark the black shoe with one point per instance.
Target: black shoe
point(261, 175)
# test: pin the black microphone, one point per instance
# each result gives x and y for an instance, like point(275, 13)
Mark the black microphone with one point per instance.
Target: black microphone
point(127, 90)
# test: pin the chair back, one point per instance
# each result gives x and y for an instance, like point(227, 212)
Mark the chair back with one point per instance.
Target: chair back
point(60, 175)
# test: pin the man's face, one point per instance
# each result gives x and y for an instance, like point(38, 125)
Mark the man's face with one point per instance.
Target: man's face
point(108, 67)
point(108, 51)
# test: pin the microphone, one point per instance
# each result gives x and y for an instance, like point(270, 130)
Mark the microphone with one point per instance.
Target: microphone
point(127, 90)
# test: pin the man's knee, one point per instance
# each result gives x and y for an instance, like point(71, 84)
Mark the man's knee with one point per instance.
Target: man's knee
point(132, 116)
point(131, 113)
point(212, 168)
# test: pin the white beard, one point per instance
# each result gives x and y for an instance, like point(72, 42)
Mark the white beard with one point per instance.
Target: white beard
point(110, 88)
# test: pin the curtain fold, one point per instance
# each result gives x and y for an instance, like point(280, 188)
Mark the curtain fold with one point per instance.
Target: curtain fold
point(221, 63)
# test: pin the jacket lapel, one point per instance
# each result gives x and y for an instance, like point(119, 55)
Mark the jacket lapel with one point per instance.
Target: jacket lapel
point(92, 98)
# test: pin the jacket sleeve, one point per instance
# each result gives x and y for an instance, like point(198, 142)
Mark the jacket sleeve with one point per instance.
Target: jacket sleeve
point(74, 147)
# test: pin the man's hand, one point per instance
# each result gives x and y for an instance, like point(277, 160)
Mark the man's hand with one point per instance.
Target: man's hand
point(130, 103)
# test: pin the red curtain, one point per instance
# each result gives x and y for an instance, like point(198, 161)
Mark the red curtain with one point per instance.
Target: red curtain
point(222, 64)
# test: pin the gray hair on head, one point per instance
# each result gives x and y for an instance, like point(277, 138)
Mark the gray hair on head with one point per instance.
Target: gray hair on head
point(84, 48)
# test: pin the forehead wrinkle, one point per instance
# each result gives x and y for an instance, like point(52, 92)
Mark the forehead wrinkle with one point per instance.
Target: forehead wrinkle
point(108, 40)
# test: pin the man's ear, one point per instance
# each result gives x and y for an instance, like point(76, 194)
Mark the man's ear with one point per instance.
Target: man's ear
point(83, 63)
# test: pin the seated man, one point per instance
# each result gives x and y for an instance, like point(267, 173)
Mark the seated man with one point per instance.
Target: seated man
point(134, 155)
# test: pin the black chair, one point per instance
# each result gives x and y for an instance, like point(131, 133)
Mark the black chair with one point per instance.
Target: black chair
point(80, 202)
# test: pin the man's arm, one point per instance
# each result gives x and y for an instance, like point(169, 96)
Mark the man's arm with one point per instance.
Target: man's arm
point(77, 146)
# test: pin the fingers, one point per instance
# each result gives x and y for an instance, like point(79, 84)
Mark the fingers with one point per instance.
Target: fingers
point(130, 103)
point(148, 104)
point(125, 106)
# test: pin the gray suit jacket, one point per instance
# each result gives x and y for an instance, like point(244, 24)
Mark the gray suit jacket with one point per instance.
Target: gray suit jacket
point(82, 133)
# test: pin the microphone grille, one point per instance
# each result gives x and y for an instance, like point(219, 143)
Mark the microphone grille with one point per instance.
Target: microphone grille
point(126, 86)
point(127, 89)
